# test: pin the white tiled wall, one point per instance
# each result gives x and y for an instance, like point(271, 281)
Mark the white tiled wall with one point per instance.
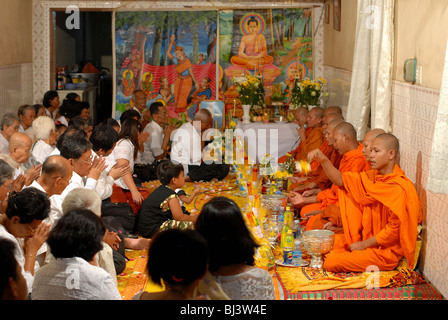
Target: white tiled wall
point(414, 112)
point(16, 86)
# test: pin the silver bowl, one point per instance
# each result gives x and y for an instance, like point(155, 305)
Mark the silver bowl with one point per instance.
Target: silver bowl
point(273, 202)
point(317, 243)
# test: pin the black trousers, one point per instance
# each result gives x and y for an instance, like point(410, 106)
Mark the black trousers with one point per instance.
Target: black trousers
point(207, 172)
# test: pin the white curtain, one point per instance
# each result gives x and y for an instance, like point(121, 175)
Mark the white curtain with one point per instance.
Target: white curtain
point(371, 83)
point(438, 173)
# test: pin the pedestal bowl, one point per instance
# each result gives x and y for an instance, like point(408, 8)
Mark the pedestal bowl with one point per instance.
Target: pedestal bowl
point(317, 243)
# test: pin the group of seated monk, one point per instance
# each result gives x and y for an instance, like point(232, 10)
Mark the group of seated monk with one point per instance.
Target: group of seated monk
point(358, 191)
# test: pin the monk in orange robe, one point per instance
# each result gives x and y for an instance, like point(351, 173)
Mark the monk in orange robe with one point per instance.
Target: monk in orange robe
point(345, 141)
point(311, 137)
point(318, 178)
point(380, 212)
point(330, 218)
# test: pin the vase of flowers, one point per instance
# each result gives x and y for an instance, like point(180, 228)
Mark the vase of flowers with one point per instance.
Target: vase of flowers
point(308, 93)
point(246, 113)
point(251, 93)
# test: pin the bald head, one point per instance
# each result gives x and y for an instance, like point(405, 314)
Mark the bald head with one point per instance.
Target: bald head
point(389, 141)
point(20, 147)
point(385, 153)
point(315, 117)
point(19, 139)
point(331, 117)
point(329, 130)
point(368, 139)
point(56, 166)
point(345, 138)
point(300, 115)
point(56, 174)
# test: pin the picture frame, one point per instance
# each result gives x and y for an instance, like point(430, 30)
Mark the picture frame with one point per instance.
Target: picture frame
point(337, 15)
point(327, 13)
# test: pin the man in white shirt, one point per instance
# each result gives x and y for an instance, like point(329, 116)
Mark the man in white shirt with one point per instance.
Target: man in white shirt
point(18, 156)
point(138, 102)
point(55, 177)
point(187, 146)
point(86, 169)
point(155, 149)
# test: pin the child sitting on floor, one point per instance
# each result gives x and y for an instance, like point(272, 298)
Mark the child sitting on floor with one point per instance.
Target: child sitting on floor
point(162, 209)
point(177, 259)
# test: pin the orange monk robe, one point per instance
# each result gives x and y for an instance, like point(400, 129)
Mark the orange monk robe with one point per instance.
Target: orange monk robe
point(317, 174)
point(331, 213)
point(314, 139)
point(384, 206)
point(297, 150)
point(352, 161)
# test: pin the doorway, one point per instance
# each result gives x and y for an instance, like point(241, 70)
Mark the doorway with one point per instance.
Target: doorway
point(80, 50)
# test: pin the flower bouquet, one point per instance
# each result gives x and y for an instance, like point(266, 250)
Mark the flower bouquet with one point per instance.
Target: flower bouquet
point(250, 90)
point(307, 93)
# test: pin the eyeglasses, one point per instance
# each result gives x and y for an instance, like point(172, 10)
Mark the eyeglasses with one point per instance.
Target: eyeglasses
point(89, 161)
point(68, 181)
point(31, 228)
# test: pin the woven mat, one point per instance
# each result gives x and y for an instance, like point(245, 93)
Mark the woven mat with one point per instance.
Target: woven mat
point(305, 283)
point(290, 283)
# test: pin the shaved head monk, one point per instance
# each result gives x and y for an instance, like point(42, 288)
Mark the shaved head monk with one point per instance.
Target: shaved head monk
point(330, 218)
point(318, 178)
point(367, 142)
point(333, 110)
point(311, 137)
point(380, 212)
point(345, 142)
point(300, 115)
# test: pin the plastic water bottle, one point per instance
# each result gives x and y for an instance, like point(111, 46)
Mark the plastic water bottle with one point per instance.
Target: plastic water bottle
point(288, 248)
point(297, 253)
point(288, 217)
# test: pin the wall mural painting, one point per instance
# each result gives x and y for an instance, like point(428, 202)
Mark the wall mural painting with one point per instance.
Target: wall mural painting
point(172, 56)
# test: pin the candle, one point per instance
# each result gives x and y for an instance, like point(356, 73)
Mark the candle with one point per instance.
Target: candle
point(234, 106)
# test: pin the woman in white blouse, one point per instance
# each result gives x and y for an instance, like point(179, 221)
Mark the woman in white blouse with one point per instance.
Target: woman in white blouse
point(23, 220)
point(232, 250)
point(74, 274)
point(44, 130)
point(130, 143)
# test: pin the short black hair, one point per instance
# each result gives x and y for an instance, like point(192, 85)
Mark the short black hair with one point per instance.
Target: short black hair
point(103, 137)
point(72, 96)
point(111, 122)
point(70, 132)
point(74, 147)
point(8, 263)
point(177, 256)
point(78, 233)
point(168, 170)
point(29, 204)
point(154, 107)
point(48, 96)
point(222, 225)
point(70, 108)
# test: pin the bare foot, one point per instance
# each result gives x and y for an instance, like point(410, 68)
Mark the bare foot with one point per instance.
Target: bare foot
point(136, 244)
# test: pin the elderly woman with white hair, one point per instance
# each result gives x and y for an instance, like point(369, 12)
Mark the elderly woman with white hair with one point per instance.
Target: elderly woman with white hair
point(9, 124)
point(45, 133)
